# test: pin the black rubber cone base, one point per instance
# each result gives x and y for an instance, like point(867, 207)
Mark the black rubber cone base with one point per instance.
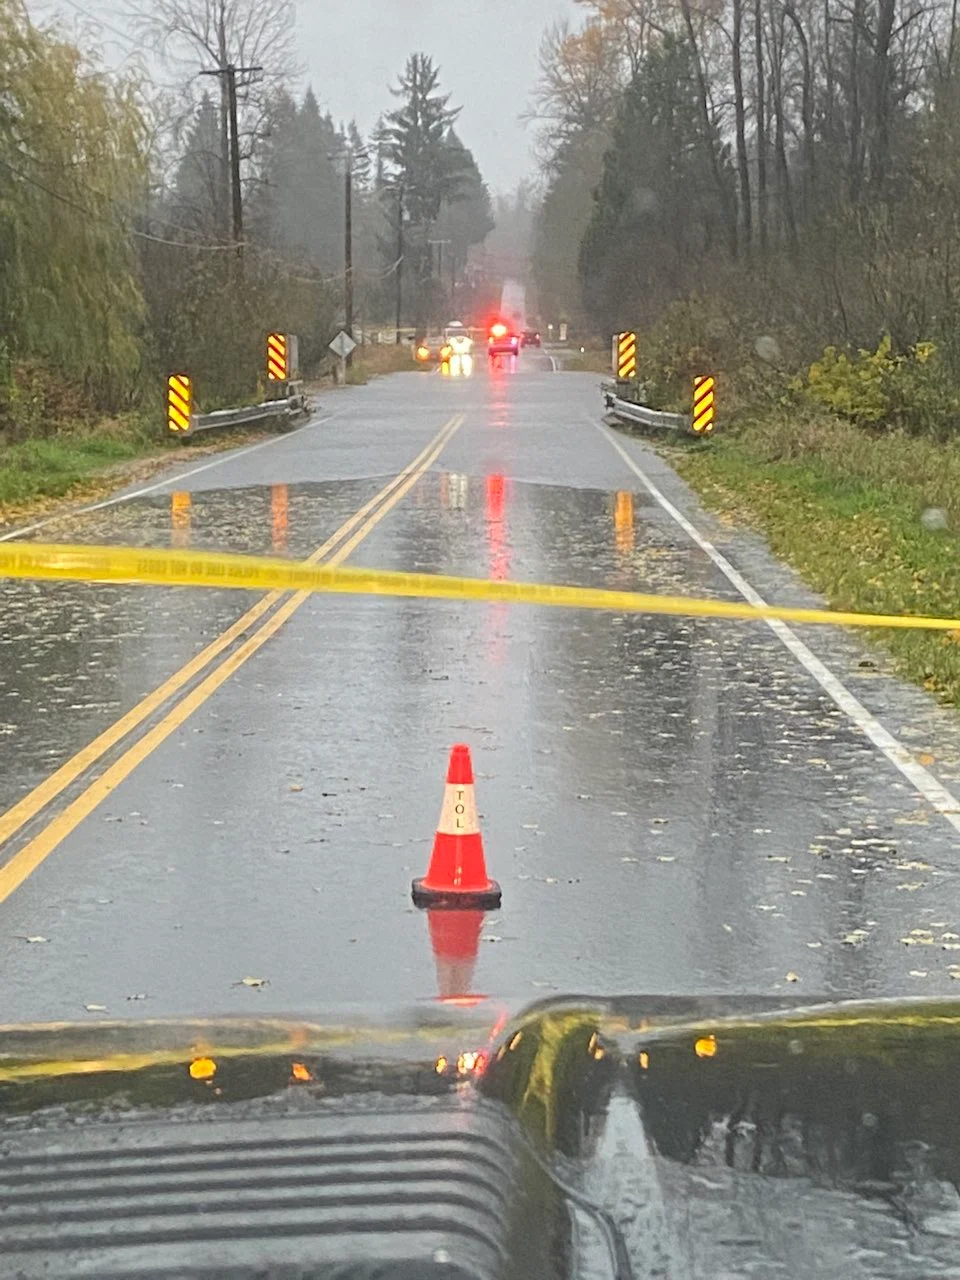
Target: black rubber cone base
point(453, 900)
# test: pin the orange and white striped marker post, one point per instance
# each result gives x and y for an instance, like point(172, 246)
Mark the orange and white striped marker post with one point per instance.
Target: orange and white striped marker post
point(457, 876)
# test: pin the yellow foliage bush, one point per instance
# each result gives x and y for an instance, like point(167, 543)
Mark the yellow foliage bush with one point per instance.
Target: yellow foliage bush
point(912, 391)
point(858, 389)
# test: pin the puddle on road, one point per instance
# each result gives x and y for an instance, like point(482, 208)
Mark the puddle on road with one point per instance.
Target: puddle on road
point(702, 796)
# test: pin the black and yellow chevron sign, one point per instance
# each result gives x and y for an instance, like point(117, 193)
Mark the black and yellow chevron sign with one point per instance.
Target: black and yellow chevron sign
point(626, 355)
point(179, 402)
point(277, 370)
point(704, 404)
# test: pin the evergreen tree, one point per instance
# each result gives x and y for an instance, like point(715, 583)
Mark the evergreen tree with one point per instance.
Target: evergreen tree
point(298, 208)
point(198, 183)
point(465, 218)
point(361, 160)
point(416, 152)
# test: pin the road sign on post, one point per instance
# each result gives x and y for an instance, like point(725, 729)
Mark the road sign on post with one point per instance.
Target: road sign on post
point(278, 362)
point(342, 346)
point(704, 404)
point(625, 365)
point(179, 402)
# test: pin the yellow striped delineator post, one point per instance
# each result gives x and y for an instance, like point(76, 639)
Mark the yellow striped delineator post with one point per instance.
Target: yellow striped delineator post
point(704, 404)
point(179, 402)
point(277, 358)
point(626, 356)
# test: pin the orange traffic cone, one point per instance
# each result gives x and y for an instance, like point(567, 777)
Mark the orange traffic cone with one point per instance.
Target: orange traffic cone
point(455, 939)
point(458, 872)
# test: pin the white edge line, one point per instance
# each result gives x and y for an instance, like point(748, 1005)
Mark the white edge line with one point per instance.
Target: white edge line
point(937, 795)
point(227, 456)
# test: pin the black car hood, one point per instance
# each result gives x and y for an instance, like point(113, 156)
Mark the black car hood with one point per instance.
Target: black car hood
point(631, 1137)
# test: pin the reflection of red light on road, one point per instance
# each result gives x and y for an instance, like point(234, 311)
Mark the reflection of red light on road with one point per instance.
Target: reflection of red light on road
point(180, 519)
point(496, 494)
point(499, 551)
point(280, 515)
point(497, 528)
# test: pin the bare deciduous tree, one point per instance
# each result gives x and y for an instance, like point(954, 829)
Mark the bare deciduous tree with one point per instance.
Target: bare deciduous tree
point(197, 36)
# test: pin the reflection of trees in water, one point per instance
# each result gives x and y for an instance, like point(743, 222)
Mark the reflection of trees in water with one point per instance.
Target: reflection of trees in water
point(860, 1123)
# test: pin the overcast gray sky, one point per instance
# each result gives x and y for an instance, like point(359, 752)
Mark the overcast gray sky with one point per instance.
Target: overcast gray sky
point(354, 49)
point(486, 49)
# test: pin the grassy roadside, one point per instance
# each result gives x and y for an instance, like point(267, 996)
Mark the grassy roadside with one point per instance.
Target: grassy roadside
point(588, 361)
point(844, 508)
point(52, 467)
point(375, 361)
point(92, 462)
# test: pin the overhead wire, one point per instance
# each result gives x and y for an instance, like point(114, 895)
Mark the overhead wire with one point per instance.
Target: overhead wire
point(112, 222)
point(102, 22)
point(205, 246)
point(290, 271)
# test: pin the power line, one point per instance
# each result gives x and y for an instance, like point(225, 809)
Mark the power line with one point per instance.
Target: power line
point(265, 251)
point(130, 211)
point(101, 22)
point(218, 247)
point(111, 222)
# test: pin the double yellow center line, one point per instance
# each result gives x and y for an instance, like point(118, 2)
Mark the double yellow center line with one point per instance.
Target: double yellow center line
point(266, 621)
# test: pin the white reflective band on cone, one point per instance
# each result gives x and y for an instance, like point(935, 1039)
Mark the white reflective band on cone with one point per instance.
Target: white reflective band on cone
point(459, 814)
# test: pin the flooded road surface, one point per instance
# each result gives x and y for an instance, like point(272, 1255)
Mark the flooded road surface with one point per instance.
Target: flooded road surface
point(670, 805)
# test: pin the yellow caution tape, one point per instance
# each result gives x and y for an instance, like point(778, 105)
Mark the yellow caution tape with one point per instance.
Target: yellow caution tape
point(255, 573)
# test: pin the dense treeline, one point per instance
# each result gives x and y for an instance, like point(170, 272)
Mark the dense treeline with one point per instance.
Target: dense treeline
point(774, 170)
point(119, 258)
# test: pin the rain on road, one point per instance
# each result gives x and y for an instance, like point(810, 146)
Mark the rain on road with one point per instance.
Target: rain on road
point(671, 806)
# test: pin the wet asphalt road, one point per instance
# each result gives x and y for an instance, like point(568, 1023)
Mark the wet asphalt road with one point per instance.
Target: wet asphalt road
point(671, 806)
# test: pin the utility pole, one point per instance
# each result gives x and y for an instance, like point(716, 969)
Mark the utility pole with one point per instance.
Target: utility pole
point(440, 245)
point(229, 73)
point(399, 262)
point(348, 248)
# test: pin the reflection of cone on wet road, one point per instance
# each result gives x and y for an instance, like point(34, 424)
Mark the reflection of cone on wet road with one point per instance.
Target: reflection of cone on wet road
point(455, 938)
point(458, 872)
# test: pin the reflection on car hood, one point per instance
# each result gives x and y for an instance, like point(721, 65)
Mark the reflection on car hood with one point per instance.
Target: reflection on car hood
point(637, 1136)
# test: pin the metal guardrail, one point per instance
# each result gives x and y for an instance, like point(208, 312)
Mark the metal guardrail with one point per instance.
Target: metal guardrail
point(291, 405)
point(631, 411)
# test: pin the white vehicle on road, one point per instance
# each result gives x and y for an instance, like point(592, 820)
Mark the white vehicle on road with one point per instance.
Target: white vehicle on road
point(459, 344)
